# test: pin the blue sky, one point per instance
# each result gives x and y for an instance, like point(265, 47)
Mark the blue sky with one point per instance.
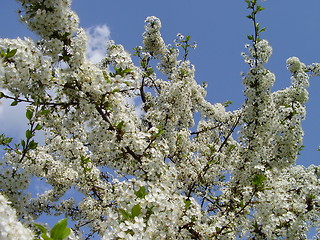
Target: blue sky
point(220, 29)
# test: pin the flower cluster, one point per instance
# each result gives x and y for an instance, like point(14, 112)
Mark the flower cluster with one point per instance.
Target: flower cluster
point(28, 64)
point(152, 40)
point(10, 227)
point(57, 24)
point(262, 50)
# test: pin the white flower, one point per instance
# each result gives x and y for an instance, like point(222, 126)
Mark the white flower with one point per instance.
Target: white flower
point(10, 227)
point(152, 40)
point(263, 50)
point(294, 65)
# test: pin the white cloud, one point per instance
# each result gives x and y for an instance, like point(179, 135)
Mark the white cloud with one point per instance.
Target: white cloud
point(38, 186)
point(13, 122)
point(98, 37)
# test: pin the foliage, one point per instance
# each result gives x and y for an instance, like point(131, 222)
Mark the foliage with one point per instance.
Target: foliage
point(58, 232)
point(151, 172)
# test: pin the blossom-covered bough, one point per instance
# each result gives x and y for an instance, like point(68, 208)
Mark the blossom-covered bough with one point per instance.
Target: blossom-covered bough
point(151, 172)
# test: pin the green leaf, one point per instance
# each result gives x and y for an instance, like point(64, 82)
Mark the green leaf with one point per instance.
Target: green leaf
point(23, 143)
point(259, 8)
point(60, 230)
point(231, 147)
point(5, 140)
point(250, 37)
point(33, 145)
point(29, 134)
point(45, 237)
point(29, 114)
point(14, 103)
point(124, 214)
point(249, 16)
point(135, 211)
point(65, 233)
point(41, 228)
point(149, 212)
point(118, 70)
point(1, 95)
point(120, 125)
point(45, 111)
point(11, 53)
point(187, 203)
point(258, 179)
point(127, 70)
point(84, 162)
point(262, 29)
point(300, 149)
point(241, 204)
point(2, 53)
point(227, 103)
point(150, 71)
point(141, 193)
point(38, 127)
point(115, 90)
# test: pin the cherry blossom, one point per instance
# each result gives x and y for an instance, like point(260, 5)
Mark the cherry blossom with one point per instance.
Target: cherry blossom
point(125, 137)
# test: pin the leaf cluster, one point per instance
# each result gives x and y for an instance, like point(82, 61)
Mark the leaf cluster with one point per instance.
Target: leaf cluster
point(255, 9)
point(60, 231)
point(7, 54)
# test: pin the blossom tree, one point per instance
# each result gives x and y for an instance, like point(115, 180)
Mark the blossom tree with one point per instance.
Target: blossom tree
point(155, 171)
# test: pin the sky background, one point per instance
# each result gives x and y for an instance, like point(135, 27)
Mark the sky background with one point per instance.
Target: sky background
point(219, 28)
